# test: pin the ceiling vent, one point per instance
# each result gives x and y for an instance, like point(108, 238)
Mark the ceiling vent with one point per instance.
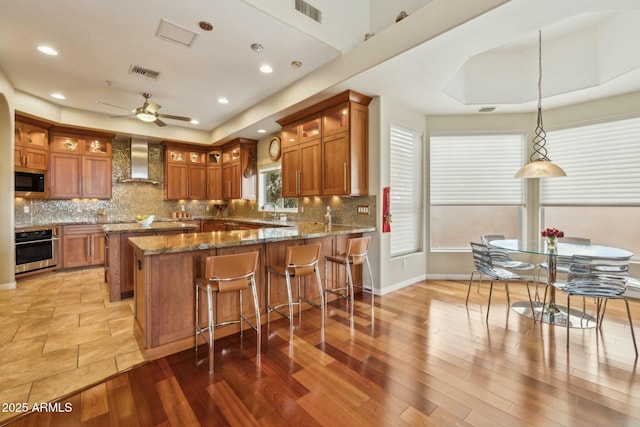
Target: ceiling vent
point(486, 109)
point(136, 70)
point(308, 10)
point(175, 33)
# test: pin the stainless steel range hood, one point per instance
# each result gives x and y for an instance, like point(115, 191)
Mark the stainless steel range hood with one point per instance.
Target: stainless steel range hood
point(139, 162)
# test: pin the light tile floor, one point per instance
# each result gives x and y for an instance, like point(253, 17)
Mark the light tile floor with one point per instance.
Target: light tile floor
point(59, 333)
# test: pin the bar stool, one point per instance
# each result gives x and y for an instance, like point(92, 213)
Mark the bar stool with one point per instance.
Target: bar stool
point(300, 261)
point(226, 273)
point(356, 254)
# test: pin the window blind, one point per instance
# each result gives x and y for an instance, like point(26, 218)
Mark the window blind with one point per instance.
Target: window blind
point(476, 169)
point(406, 190)
point(601, 162)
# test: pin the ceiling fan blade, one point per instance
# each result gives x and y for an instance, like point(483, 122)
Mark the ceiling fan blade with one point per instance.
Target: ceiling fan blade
point(123, 115)
point(159, 122)
point(152, 107)
point(169, 116)
point(113, 105)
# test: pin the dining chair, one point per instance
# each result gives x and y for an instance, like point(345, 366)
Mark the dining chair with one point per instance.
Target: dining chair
point(562, 262)
point(500, 257)
point(600, 278)
point(483, 266)
point(226, 274)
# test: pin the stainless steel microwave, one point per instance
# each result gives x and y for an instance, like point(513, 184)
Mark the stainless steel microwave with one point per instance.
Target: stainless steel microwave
point(30, 182)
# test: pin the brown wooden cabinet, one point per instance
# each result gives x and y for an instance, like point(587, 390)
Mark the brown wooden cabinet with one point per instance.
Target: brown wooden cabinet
point(31, 146)
point(214, 175)
point(302, 159)
point(239, 169)
point(325, 148)
point(80, 167)
point(185, 173)
point(209, 225)
point(82, 245)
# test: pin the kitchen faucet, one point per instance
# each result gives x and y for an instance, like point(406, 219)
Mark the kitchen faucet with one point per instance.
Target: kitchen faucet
point(274, 215)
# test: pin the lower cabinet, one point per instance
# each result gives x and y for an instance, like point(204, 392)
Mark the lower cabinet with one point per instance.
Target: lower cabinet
point(82, 245)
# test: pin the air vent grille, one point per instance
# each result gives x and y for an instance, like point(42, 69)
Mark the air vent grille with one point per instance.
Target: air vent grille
point(308, 10)
point(136, 70)
point(486, 109)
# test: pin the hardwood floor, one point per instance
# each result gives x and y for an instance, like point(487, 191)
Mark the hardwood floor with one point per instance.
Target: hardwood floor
point(422, 358)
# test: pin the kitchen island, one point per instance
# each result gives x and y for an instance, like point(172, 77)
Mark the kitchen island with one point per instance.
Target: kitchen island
point(166, 266)
point(118, 253)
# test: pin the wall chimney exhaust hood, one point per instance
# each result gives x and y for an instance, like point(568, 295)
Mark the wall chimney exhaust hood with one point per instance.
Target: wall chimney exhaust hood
point(139, 162)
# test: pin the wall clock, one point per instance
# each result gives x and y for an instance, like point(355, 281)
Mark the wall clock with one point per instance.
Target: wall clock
point(274, 148)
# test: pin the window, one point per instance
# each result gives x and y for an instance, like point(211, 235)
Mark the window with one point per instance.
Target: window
point(473, 191)
point(406, 191)
point(270, 190)
point(600, 196)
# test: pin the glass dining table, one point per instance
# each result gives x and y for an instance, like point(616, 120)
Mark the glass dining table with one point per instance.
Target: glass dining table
point(551, 312)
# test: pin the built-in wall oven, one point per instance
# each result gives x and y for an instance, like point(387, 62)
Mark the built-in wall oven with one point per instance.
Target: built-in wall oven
point(36, 248)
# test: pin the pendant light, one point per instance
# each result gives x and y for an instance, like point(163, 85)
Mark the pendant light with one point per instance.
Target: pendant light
point(539, 165)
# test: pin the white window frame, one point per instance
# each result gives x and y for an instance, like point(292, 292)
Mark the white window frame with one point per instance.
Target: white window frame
point(261, 196)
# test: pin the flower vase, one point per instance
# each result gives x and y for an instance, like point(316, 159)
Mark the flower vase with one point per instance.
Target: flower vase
point(551, 244)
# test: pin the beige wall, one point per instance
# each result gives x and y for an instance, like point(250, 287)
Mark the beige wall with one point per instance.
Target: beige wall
point(7, 251)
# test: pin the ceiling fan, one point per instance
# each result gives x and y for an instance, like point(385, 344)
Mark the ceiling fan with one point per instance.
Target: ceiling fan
point(149, 112)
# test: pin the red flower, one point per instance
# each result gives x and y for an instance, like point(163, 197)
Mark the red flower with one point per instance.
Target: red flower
point(552, 232)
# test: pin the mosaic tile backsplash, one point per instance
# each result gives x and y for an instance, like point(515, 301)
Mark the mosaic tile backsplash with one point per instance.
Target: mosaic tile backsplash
point(131, 199)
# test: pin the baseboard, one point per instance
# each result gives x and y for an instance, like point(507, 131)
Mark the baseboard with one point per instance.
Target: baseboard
point(7, 286)
point(403, 284)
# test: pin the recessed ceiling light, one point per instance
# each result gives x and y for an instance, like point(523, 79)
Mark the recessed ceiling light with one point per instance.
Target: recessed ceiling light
point(48, 50)
point(266, 69)
point(205, 25)
point(262, 131)
point(296, 64)
point(223, 100)
point(257, 47)
point(58, 96)
point(194, 122)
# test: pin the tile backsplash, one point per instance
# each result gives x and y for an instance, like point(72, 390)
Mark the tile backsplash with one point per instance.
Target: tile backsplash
point(131, 199)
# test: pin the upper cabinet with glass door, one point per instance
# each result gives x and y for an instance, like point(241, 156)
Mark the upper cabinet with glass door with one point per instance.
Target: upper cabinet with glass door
point(339, 164)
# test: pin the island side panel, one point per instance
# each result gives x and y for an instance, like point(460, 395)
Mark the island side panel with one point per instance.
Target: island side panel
point(113, 270)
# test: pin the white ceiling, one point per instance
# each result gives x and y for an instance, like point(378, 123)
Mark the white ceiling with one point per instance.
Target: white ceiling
point(590, 50)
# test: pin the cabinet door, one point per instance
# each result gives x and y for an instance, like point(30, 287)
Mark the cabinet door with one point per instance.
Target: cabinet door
point(290, 172)
point(214, 183)
point(310, 129)
point(65, 176)
point(197, 182)
point(96, 177)
point(231, 181)
point(96, 249)
point(310, 176)
point(35, 158)
point(289, 136)
point(35, 137)
point(335, 120)
point(76, 250)
point(335, 171)
point(176, 181)
point(18, 158)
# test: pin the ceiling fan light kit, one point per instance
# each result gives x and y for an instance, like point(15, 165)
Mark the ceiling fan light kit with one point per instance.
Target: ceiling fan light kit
point(148, 113)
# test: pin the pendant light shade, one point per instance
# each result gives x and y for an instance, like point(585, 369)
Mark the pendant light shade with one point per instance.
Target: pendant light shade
point(539, 165)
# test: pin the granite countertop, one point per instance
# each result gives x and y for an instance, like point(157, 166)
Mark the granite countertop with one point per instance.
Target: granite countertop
point(152, 245)
point(134, 227)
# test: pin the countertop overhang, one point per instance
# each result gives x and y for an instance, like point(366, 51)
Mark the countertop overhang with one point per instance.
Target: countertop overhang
point(152, 245)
